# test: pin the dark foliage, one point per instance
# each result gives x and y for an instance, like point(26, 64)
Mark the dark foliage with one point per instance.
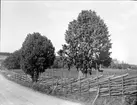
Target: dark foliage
point(12, 61)
point(131, 99)
point(5, 53)
point(57, 63)
point(87, 41)
point(37, 54)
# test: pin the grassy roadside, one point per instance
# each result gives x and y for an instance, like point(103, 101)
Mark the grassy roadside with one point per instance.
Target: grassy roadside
point(44, 89)
point(47, 89)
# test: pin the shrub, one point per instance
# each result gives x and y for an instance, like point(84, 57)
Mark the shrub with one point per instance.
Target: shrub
point(131, 100)
point(12, 61)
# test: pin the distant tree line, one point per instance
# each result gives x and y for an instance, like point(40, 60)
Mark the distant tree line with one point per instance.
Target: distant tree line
point(115, 64)
point(5, 53)
point(121, 65)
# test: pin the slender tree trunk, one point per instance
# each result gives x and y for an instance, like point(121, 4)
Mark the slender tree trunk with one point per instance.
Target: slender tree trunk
point(35, 76)
point(97, 70)
point(32, 77)
point(86, 73)
point(80, 74)
point(77, 68)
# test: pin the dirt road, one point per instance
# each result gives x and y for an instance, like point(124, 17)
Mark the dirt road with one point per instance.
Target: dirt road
point(14, 94)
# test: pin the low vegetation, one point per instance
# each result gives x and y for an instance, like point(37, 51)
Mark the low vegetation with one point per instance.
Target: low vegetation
point(12, 61)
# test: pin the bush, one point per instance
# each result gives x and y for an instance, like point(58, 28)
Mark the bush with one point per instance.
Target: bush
point(131, 100)
point(58, 63)
point(12, 61)
point(41, 88)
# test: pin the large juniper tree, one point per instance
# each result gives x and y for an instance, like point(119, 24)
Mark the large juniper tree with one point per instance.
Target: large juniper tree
point(87, 41)
point(37, 54)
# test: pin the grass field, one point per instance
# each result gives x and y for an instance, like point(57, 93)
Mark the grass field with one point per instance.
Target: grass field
point(73, 73)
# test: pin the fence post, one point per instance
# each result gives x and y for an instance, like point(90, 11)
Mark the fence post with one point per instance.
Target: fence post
point(99, 86)
point(122, 86)
point(109, 87)
point(97, 79)
point(19, 78)
point(15, 76)
point(63, 82)
point(123, 98)
point(57, 87)
point(71, 85)
point(52, 84)
point(93, 103)
point(89, 87)
point(80, 87)
point(65, 87)
point(22, 79)
point(60, 83)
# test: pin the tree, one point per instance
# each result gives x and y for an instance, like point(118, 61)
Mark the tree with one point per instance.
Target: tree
point(87, 41)
point(57, 63)
point(13, 60)
point(37, 54)
point(104, 58)
point(66, 61)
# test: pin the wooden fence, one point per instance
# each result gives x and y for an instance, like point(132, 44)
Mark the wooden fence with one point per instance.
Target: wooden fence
point(117, 86)
point(108, 86)
point(120, 85)
point(104, 86)
point(79, 86)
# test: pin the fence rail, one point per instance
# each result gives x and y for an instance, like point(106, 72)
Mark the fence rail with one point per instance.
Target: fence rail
point(104, 86)
point(122, 85)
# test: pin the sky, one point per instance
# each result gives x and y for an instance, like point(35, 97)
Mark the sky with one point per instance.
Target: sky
point(51, 18)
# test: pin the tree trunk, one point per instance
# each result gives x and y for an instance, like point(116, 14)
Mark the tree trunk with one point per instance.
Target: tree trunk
point(80, 74)
point(35, 76)
point(86, 72)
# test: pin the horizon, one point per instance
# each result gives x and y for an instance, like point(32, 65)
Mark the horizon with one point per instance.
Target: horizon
point(51, 18)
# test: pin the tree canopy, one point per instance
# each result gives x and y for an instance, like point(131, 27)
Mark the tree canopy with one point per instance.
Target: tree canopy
point(37, 54)
point(87, 41)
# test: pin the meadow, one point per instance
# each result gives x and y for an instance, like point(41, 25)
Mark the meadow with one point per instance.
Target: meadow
point(73, 73)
